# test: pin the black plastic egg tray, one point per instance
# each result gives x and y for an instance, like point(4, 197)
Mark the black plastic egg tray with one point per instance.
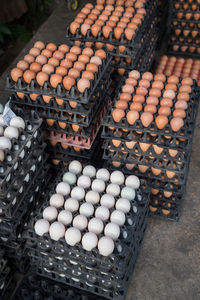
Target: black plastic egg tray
point(82, 115)
point(182, 2)
point(60, 92)
point(182, 52)
point(7, 282)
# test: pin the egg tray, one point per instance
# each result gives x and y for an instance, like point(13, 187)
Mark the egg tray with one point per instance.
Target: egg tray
point(82, 115)
point(36, 287)
point(136, 156)
point(60, 92)
point(9, 204)
point(180, 52)
point(7, 281)
point(182, 2)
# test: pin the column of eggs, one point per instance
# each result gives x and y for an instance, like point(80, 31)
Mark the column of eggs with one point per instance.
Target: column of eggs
point(87, 203)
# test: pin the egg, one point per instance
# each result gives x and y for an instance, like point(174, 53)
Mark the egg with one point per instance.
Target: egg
point(133, 181)
point(2, 155)
point(78, 193)
point(176, 123)
point(84, 181)
point(161, 121)
point(68, 82)
point(11, 132)
point(118, 114)
point(29, 58)
point(96, 226)
point(41, 227)
point(5, 143)
point(65, 217)
point(71, 204)
point(123, 204)
point(128, 193)
point(22, 65)
point(112, 230)
point(118, 217)
point(57, 200)
point(113, 189)
point(86, 209)
point(72, 236)
point(63, 188)
point(50, 213)
point(107, 200)
point(41, 78)
point(89, 241)
point(102, 213)
point(117, 177)
point(98, 185)
point(96, 60)
point(181, 104)
point(28, 76)
point(92, 197)
point(56, 231)
point(69, 178)
point(34, 52)
point(75, 167)
point(103, 174)
point(83, 84)
point(146, 118)
point(132, 116)
point(106, 246)
point(89, 171)
point(80, 222)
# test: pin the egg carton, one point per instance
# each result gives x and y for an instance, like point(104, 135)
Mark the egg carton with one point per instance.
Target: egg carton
point(82, 115)
point(60, 92)
point(133, 44)
point(36, 287)
point(137, 156)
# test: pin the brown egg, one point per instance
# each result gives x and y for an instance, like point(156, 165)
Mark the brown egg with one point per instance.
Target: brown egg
point(71, 56)
point(79, 65)
point(131, 81)
point(83, 84)
point(136, 106)
point(165, 111)
point(53, 61)
point(144, 146)
point(41, 59)
point(63, 48)
point(50, 122)
point(58, 54)
point(156, 171)
point(121, 104)
point(125, 97)
point(146, 118)
point(95, 29)
point(147, 76)
point(101, 53)
point(150, 108)
point(106, 31)
point(144, 83)
point(143, 168)
point(55, 79)
point(16, 74)
point(121, 25)
point(74, 73)
point(141, 91)
point(79, 20)
point(166, 102)
point(127, 88)
point(139, 98)
point(173, 79)
point(116, 143)
point(22, 65)
point(179, 113)
point(62, 125)
point(52, 47)
point(99, 45)
point(181, 105)
point(48, 69)
point(134, 74)
point(160, 77)
point(84, 28)
point(76, 50)
point(41, 77)
point(66, 63)
point(75, 127)
point(183, 96)
point(118, 114)
point(187, 81)
point(118, 32)
point(110, 23)
point(158, 85)
point(171, 86)
point(47, 99)
point(167, 194)
point(73, 27)
point(88, 75)
point(59, 101)
point(170, 174)
point(176, 124)
point(68, 82)
point(29, 58)
point(92, 17)
point(28, 76)
point(132, 26)
point(73, 104)
point(129, 33)
point(132, 116)
point(40, 45)
point(34, 52)
point(154, 191)
point(155, 92)
point(89, 21)
point(173, 152)
point(185, 89)
point(158, 150)
point(130, 145)
point(152, 100)
point(88, 51)
point(101, 23)
point(20, 95)
point(46, 53)
point(33, 96)
point(61, 71)
point(92, 68)
point(161, 121)
point(35, 67)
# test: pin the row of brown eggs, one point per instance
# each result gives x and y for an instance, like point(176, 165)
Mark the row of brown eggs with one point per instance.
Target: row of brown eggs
point(65, 146)
point(183, 23)
point(165, 211)
point(126, 3)
point(187, 32)
point(186, 5)
point(193, 44)
point(63, 125)
point(181, 67)
point(184, 48)
point(110, 20)
point(64, 66)
point(188, 16)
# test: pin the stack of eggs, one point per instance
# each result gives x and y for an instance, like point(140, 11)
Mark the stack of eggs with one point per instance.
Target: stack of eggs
point(22, 162)
point(124, 30)
point(92, 224)
point(148, 131)
point(67, 87)
point(181, 67)
point(184, 25)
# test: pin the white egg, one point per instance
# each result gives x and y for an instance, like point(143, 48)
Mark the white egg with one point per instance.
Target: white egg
point(95, 225)
point(103, 174)
point(92, 197)
point(117, 177)
point(2, 155)
point(50, 213)
point(41, 227)
point(98, 185)
point(65, 217)
point(5, 143)
point(70, 178)
point(2, 122)
point(133, 181)
point(112, 230)
point(11, 132)
point(128, 193)
point(84, 181)
point(72, 236)
point(78, 193)
point(89, 171)
point(89, 241)
point(113, 189)
point(102, 213)
point(80, 222)
point(75, 167)
point(96, 60)
point(17, 122)
point(63, 188)
point(57, 231)
point(118, 217)
point(86, 209)
point(123, 205)
point(71, 204)
point(107, 200)
point(57, 200)
point(106, 246)
point(1, 130)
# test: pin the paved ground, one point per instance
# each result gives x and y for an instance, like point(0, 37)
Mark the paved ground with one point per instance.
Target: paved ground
point(168, 267)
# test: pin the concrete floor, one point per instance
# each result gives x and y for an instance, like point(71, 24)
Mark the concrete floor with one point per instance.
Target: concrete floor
point(168, 267)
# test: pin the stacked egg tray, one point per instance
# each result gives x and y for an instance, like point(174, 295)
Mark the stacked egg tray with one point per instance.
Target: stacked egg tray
point(7, 281)
point(104, 276)
point(184, 25)
point(36, 287)
point(125, 52)
point(159, 156)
